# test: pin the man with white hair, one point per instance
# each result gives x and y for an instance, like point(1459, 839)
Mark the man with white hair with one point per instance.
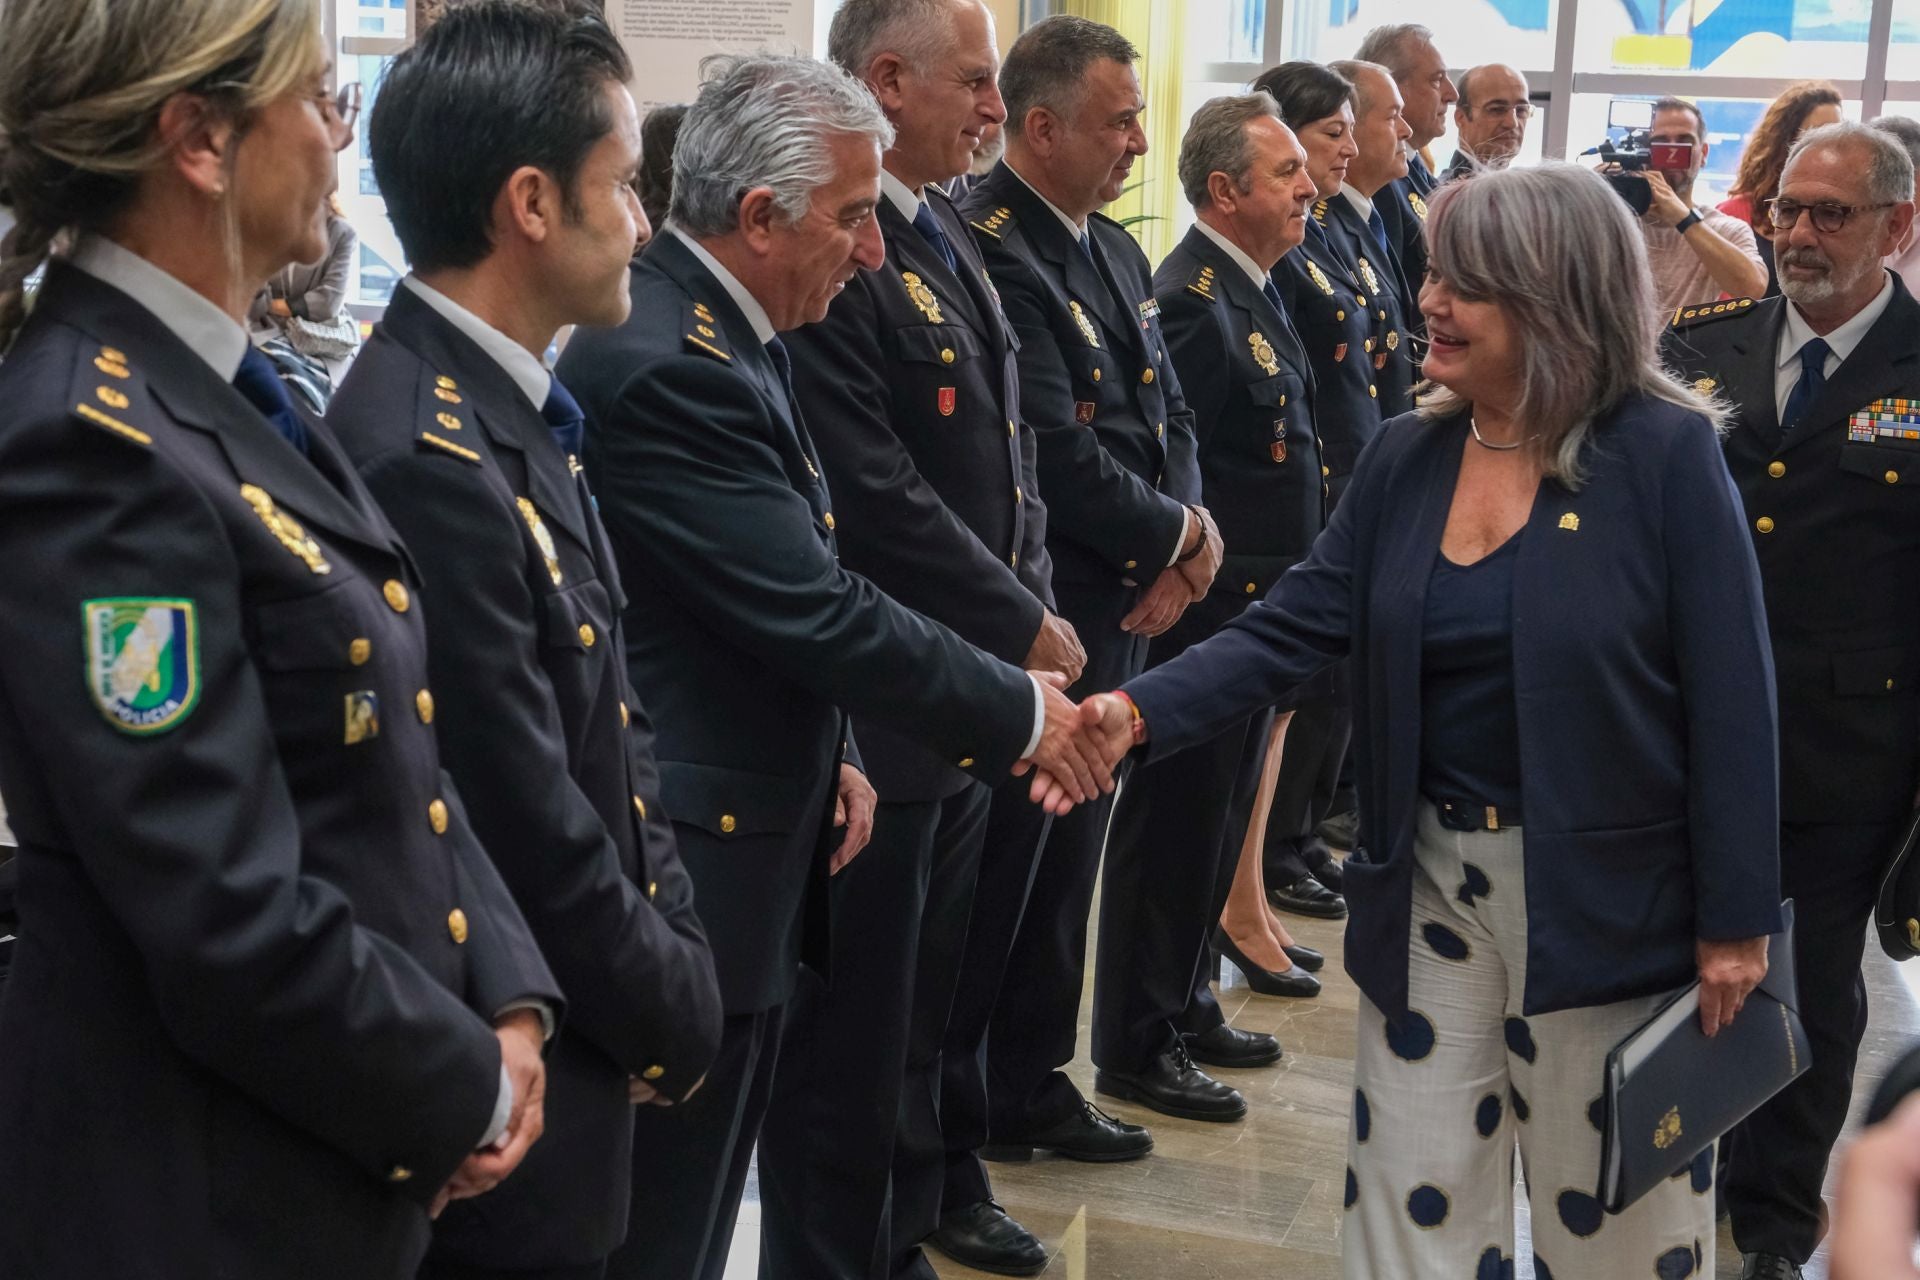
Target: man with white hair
point(1407, 51)
point(750, 641)
point(1820, 380)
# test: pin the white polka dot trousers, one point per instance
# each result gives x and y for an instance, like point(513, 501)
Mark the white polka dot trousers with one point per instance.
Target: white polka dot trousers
point(1441, 1098)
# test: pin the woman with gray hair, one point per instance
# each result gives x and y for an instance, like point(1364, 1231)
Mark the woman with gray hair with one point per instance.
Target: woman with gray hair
point(1565, 736)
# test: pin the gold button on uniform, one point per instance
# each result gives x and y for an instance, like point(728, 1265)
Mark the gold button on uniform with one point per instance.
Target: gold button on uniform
point(437, 817)
point(1250, 588)
point(359, 651)
point(1133, 564)
point(829, 520)
point(1764, 524)
point(727, 823)
point(626, 717)
point(653, 889)
point(396, 593)
point(966, 762)
point(653, 1072)
point(1893, 477)
point(1326, 471)
point(640, 807)
point(1096, 375)
point(423, 703)
point(1776, 469)
point(1146, 375)
point(399, 1173)
point(457, 926)
point(1017, 499)
point(946, 355)
point(586, 635)
point(1010, 431)
point(1373, 391)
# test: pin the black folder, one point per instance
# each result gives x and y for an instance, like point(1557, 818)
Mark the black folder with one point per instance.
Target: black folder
point(1670, 1092)
point(1896, 909)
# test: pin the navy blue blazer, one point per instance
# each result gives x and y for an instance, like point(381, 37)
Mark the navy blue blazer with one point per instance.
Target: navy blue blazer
point(1644, 688)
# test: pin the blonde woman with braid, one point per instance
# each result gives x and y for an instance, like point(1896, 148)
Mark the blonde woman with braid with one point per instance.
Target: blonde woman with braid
point(270, 1005)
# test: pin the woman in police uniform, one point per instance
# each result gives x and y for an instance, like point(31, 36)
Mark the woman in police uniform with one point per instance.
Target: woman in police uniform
point(247, 1031)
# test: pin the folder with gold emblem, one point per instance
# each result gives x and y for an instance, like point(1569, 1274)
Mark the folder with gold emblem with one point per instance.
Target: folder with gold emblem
point(1670, 1092)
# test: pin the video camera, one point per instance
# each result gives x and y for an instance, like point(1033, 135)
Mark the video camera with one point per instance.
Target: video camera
point(1629, 145)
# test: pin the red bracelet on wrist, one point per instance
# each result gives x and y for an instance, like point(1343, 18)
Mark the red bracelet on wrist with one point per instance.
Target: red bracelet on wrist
point(1139, 721)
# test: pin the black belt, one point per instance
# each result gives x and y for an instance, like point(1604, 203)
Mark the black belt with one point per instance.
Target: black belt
point(1466, 815)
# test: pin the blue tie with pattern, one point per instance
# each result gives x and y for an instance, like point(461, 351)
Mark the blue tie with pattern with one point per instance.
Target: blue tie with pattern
point(261, 385)
point(1377, 225)
point(929, 228)
point(564, 419)
point(1273, 295)
point(1813, 376)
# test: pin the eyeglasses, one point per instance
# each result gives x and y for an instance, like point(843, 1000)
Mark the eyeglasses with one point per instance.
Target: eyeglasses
point(343, 107)
point(1506, 110)
point(1827, 217)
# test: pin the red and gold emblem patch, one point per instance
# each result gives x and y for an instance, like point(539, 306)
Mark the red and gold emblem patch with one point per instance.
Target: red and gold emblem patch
point(946, 402)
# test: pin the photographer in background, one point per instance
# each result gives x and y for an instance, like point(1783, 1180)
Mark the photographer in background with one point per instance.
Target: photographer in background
point(1696, 255)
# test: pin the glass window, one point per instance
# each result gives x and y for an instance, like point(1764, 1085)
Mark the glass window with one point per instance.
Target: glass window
point(1730, 121)
point(1903, 52)
point(1226, 30)
point(1517, 32)
point(380, 264)
point(1792, 39)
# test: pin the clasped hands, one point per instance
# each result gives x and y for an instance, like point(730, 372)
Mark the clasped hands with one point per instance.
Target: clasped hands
point(1180, 583)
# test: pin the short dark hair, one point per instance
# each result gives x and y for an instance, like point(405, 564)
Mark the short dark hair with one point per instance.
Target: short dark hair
point(1048, 64)
point(492, 86)
point(658, 133)
point(1671, 103)
point(1306, 91)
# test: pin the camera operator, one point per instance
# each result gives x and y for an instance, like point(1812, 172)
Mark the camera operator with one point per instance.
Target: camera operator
point(1697, 255)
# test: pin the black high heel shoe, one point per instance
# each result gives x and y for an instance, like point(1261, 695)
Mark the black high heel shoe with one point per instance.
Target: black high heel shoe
point(1306, 958)
point(1296, 982)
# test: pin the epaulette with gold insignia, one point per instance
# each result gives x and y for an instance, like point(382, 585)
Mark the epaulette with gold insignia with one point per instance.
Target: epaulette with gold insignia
point(703, 332)
point(1202, 283)
point(443, 415)
point(1320, 212)
point(993, 222)
point(1689, 317)
point(104, 390)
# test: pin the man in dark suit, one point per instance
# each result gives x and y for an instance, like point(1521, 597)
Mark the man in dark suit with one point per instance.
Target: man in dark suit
point(910, 391)
point(1131, 547)
point(1353, 220)
point(1823, 382)
point(472, 447)
point(1407, 51)
point(1174, 844)
point(748, 638)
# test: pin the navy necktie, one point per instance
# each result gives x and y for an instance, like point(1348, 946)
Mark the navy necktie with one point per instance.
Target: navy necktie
point(1086, 247)
point(929, 228)
point(261, 385)
point(564, 419)
point(1813, 376)
point(1273, 295)
point(1378, 227)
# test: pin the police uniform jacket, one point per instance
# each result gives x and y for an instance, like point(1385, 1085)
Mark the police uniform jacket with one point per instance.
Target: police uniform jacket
point(247, 1032)
point(1403, 207)
point(910, 390)
point(554, 753)
point(1833, 507)
point(1382, 284)
point(1642, 679)
point(1251, 391)
point(1329, 309)
point(746, 637)
point(1115, 438)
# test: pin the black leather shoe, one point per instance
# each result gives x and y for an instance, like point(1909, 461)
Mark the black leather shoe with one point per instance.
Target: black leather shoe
point(1225, 1046)
point(1090, 1134)
point(1306, 958)
point(1295, 982)
point(983, 1237)
point(1320, 861)
point(1308, 897)
point(1767, 1266)
point(1173, 1086)
point(1339, 829)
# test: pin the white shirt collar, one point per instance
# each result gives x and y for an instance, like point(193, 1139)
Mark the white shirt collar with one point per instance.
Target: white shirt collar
point(1363, 203)
point(1796, 332)
point(1077, 229)
point(901, 195)
point(1233, 251)
point(204, 328)
point(520, 364)
point(742, 297)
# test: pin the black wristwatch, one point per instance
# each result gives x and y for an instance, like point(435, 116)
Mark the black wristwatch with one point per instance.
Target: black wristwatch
point(1686, 223)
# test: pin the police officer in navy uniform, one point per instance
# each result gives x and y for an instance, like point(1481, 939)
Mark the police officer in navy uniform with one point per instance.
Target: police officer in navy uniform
point(1175, 840)
point(248, 1026)
point(1354, 221)
point(910, 390)
point(1825, 452)
point(747, 638)
point(1131, 546)
point(472, 447)
point(1407, 51)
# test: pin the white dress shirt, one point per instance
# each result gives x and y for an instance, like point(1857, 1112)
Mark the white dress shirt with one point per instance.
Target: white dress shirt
point(202, 327)
point(1234, 251)
point(1797, 333)
point(520, 364)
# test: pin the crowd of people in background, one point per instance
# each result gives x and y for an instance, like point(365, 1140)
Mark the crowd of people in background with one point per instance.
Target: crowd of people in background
point(471, 806)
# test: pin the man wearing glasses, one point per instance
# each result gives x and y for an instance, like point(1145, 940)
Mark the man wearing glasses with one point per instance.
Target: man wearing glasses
point(1697, 255)
point(1491, 116)
point(1824, 384)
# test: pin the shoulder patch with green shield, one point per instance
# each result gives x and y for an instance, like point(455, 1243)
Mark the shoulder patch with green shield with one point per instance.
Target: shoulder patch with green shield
point(143, 661)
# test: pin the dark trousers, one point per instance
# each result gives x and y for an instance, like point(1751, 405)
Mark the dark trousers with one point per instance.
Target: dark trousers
point(1203, 1007)
point(1777, 1157)
point(858, 1087)
point(1034, 1024)
point(690, 1161)
point(1009, 856)
point(433, 1269)
point(1168, 871)
point(1309, 773)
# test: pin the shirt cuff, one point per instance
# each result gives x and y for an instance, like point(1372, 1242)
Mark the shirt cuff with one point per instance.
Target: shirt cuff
point(502, 1112)
point(539, 1007)
point(1039, 716)
point(1179, 540)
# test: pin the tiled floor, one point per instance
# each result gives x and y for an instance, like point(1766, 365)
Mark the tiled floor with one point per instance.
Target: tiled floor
point(1261, 1199)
